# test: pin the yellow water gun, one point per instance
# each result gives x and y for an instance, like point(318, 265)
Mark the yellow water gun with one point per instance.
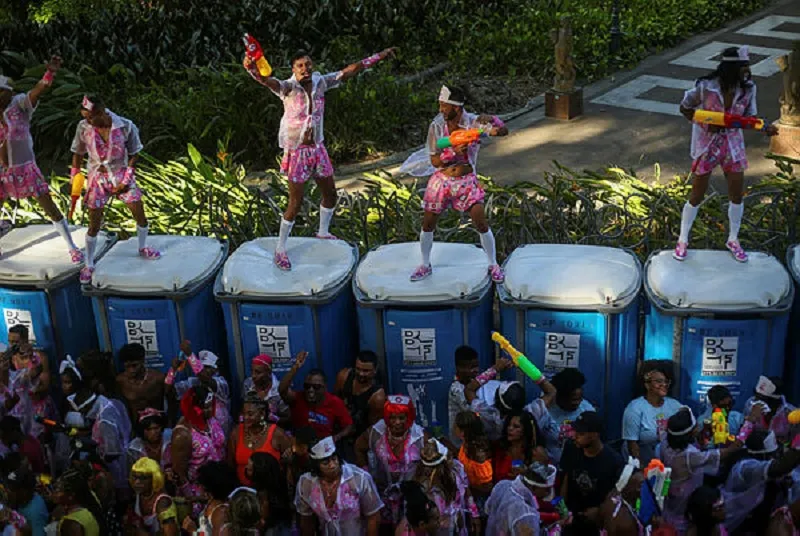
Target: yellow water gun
point(720, 428)
point(726, 120)
point(518, 358)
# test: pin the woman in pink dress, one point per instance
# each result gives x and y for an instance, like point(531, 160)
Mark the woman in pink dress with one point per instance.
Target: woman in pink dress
point(196, 439)
point(20, 177)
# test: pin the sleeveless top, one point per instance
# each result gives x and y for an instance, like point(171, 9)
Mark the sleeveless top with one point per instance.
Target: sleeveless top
point(243, 453)
point(358, 405)
point(205, 526)
point(153, 520)
point(85, 519)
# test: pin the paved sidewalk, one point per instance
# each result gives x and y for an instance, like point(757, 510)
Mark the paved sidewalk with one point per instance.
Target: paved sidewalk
point(632, 121)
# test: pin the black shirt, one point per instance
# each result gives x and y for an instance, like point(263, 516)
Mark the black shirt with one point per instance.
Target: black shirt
point(589, 479)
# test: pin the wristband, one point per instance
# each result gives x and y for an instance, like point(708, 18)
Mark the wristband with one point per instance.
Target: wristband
point(370, 61)
point(74, 171)
point(48, 77)
point(448, 155)
point(485, 376)
point(745, 431)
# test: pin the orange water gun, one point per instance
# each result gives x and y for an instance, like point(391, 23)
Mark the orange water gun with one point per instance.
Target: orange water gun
point(461, 137)
point(78, 179)
point(254, 51)
point(726, 120)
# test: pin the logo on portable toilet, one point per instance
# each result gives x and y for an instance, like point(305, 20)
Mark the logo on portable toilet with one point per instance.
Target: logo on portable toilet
point(20, 316)
point(419, 346)
point(561, 350)
point(274, 341)
point(145, 333)
point(720, 356)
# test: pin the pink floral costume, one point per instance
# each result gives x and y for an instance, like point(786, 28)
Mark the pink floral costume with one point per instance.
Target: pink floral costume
point(389, 470)
point(222, 392)
point(22, 178)
point(356, 499)
point(725, 148)
point(207, 447)
point(453, 518)
point(459, 193)
point(303, 162)
point(108, 161)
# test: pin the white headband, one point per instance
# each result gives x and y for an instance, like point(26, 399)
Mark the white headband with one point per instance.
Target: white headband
point(627, 473)
point(68, 363)
point(687, 430)
point(742, 54)
point(502, 390)
point(441, 449)
point(444, 96)
point(76, 407)
point(5, 83)
point(242, 488)
point(765, 387)
point(550, 477)
point(770, 445)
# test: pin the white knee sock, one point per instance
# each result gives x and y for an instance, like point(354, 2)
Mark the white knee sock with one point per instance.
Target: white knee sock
point(141, 234)
point(325, 215)
point(426, 245)
point(687, 219)
point(63, 230)
point(91, 245)
point(283, 235)
point(488, 245)
point(735, 213)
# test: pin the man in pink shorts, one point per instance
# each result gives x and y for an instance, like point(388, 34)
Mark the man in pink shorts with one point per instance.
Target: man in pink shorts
point(727, 89)
point(112, 144)
point(454, 184)
point(302, 140)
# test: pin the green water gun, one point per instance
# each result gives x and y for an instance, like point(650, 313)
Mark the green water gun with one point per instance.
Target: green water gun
point(519, 359)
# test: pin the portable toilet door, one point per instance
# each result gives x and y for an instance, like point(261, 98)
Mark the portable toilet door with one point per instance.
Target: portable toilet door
point(720, 321)
point(39, 288)
point(415, 327)
point(576, 306)
point(278, 313)
point(159, 303)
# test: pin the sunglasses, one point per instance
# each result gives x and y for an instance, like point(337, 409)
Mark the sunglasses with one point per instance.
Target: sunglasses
point(659, 382)
point(315, 386)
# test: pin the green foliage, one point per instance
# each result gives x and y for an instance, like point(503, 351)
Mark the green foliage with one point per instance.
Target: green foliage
point(201, 195)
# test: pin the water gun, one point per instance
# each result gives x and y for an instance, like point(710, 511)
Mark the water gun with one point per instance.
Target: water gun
point(54, 426)
point(461, 137)
point(519, 359)
point(719, 427)
point(657, 477)
point(77, 188)
point(726, 120)
point(254, 51)
point(794, 417)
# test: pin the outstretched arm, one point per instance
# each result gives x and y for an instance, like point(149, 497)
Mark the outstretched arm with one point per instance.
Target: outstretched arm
point(47, 80)
point(270, 81)
point(354, 68)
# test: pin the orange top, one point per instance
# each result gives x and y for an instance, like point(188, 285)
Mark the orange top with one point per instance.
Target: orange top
point(243, 453)
point(477, 473)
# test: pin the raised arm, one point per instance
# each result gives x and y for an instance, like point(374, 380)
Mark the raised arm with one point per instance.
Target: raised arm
point(354, 68)
point(47, 80)
point(270, 81)
point(286, 382)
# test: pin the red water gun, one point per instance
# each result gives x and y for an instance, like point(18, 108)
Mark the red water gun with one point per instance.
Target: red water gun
point(726, 120)
point(254, 51)
point(461, 137)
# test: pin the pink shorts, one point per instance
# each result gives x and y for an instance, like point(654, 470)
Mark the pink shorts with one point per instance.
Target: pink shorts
point(22, 182)
point(100, 188)
point(718, 154)
point(459, 193)
point(307, 162)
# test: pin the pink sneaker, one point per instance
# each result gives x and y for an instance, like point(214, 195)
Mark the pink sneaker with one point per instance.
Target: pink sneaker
point(421, 272)
point(680, 251)
point(150, 254)
point(76, 255)
point(736, 250)
point(282, 261)
point(326, 237)
point(497, 273)
point(86, 275)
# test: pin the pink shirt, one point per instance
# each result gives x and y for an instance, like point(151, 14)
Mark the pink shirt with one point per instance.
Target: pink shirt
point(707, 95)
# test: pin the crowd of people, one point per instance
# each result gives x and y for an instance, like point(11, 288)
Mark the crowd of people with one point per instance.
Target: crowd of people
point(87, 452)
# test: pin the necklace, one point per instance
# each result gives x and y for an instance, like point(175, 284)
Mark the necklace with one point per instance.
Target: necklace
point(250, 437)
point(329, 491)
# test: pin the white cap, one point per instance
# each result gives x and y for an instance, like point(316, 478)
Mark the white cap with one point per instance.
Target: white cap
point(441, 449)
point(323, 449)
point(208, 358)
point(444, 96)
point(765, 387)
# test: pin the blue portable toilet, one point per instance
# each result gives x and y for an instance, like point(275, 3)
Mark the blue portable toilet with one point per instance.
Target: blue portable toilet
point(576, 306)
point(792, 371)
point(269, 311)
point(720, 321)
point(39, 288)
point(159, 303)
point(415, 327)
